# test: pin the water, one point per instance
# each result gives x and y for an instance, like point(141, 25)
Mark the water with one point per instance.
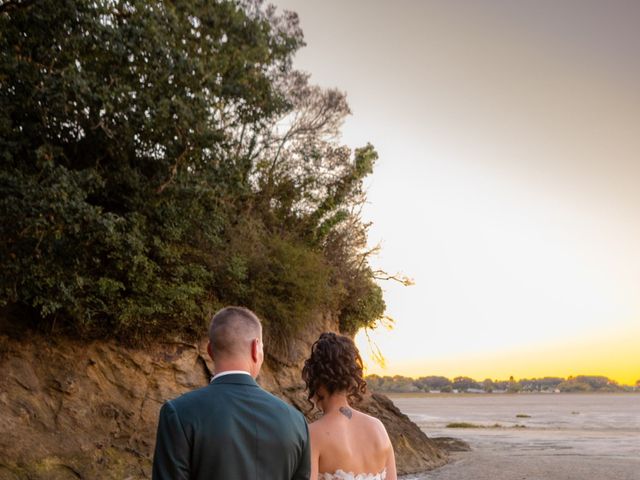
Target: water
point(565, 432)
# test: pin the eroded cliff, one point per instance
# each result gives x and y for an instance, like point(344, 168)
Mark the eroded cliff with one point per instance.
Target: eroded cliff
point(71, 409)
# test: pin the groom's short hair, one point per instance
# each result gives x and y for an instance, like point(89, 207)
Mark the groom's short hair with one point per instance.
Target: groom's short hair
point(231, 329)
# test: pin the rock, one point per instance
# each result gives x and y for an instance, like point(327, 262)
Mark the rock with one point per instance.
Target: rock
point(71, 409)
point(451, 444)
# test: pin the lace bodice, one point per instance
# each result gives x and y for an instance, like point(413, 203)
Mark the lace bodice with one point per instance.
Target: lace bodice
point(342, 475)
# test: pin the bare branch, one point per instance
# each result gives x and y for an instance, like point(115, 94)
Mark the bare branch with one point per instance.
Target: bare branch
point(174, 171)
point(403, 279)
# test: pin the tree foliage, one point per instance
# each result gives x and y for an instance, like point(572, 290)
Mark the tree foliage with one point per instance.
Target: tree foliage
point(160, 159)
point(581, 383)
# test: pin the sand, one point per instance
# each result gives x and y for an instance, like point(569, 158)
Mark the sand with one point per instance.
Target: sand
point(479, 465)
point(562, 437)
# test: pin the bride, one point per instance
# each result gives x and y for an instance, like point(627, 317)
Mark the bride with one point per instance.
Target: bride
point(345, 444)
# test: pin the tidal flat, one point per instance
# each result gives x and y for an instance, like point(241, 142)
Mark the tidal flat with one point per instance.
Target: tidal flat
point(532, 436)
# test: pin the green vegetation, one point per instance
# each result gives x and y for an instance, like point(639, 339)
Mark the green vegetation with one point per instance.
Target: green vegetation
point(584, 383)
point(580, 383)
point(162, 159)
point(463, 425)
point(473, 425)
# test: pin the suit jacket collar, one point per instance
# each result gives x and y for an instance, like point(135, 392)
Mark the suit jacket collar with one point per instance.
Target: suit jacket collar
point(235, 378)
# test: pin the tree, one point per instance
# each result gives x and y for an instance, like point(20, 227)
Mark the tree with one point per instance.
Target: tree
point(596, 382)
point(464, 383)
point(514, 387)
point(311, 186)
point(144, 182)
point(488, 385)
point(574, 386)
point(433, 383)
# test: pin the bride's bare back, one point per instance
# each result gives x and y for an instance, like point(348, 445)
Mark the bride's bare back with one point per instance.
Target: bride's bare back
point(350, 442)
point(345, 444)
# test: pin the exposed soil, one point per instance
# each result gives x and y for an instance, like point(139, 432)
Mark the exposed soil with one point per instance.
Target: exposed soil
point(72, 410)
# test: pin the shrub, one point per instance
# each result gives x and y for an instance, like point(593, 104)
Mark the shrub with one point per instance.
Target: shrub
point(143, 182)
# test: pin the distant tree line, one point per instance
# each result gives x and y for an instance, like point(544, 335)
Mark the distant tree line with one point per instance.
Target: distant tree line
point(580, 383)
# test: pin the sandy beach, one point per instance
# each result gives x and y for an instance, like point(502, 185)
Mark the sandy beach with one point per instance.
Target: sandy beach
point(562, 437)
point(483, 465)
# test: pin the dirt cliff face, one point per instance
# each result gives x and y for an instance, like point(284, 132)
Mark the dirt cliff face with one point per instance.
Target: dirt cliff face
point(414, 451)
point(89, 410)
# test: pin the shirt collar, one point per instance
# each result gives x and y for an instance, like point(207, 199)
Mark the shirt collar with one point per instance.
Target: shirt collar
point(228, 372)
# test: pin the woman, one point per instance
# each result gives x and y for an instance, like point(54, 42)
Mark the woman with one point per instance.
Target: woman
point(345, 444)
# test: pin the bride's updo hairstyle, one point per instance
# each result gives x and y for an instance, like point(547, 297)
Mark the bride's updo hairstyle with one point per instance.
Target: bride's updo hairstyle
point(334, 364)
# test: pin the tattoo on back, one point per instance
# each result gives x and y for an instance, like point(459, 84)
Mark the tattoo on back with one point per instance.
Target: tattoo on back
point(346, 411)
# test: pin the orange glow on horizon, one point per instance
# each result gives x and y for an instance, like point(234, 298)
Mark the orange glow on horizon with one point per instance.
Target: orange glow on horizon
point(506, 187)
point(615, 356)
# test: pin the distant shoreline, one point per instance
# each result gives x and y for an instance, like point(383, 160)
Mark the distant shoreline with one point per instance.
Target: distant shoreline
point(485, 394)
point(440, 384)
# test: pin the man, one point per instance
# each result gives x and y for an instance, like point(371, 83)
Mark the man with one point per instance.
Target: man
point(232, 429)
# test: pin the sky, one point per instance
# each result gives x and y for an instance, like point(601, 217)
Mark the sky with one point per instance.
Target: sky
point(507, 184)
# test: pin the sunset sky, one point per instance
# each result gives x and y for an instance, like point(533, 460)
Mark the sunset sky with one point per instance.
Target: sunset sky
point(508, 180)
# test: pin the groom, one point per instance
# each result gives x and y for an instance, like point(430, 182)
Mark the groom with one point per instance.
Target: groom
point(232, 429)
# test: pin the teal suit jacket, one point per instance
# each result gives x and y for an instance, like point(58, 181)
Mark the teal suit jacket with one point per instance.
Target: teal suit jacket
point(231, 430)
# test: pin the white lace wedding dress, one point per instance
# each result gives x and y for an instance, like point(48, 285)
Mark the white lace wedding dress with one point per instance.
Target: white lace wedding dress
point(342, 475)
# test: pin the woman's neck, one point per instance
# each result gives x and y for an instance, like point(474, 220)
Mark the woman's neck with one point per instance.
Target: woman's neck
point(336, 403)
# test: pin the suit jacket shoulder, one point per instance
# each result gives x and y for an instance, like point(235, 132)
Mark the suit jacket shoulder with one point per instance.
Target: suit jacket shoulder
point(232, 429)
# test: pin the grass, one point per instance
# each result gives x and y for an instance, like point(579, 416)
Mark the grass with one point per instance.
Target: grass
point(473, 425)
point(463, 425)
point(523, 415)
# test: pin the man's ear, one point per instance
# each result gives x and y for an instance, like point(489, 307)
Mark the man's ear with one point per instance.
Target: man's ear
point(255, 349)
point(209, 351)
